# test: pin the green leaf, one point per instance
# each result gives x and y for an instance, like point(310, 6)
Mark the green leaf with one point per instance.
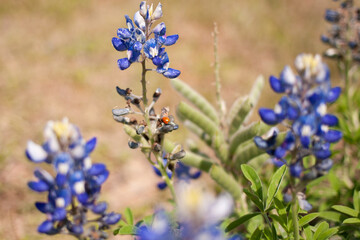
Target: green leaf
point(129, 216)
point(197, 99)
point(308, 218)
point(346, 210)
point(274, 185)
point(255, 199)
point(198, 132)
point(240, 221)
point(320, 228)
point(243, 110)
point(257, 234)
point(127, 230)
point(331, 216)
point(356, 200)
point(246, 133)
point(308, 232)
point(279, 220)
point(226, 181)
point(327, 234)
point(198, 118)
point(351, 221)
point(251, 175)
point(281, 209)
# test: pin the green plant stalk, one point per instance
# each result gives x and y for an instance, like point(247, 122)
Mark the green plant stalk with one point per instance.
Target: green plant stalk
point(217, 74)
point(166, 178)
point(294, 207)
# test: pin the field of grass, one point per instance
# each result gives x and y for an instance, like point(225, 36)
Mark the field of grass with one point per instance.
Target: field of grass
point(56, 60)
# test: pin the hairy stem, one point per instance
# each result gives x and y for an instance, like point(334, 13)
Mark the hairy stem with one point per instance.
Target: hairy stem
point(294, 207)
point(216, 71)
point(165, 176)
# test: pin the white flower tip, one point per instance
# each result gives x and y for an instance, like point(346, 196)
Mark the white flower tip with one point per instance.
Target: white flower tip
point(35, 152)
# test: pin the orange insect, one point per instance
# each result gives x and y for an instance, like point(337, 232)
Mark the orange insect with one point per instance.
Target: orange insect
point(166, 120)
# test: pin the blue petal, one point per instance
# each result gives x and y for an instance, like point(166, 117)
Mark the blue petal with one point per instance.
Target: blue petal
point(280, 152)
point(129, 23)
point(332, 16)
point(59, 214)
point(296, 170)
point(118, 44)
point(44, 176)
point(90, 145)
point(61, 179)
point(277, 162)
point(157, 61)
point(65, 194)
point(102, 178)
point(97, 169)
point(99, 208)
point(322, 154)
point(121, 92)
point(268, 116)
point(171, 73)
point(35, 152)
point(261, 143)
point(45, 227)
point(162, 185)
point(44, 207)
point(39, 186)
point(124, 33)
point(157, 171)
point(170, 40)
point(195, 175)
point(305, 141)
point(76, 229)
point(112, 218)
point(123, 63)
point(325, 39)
point(325, 165)
point(332, 136)
point(329, 120)
point(82, 198)
point(333, 94)
point(276, 85)
point(160, 29)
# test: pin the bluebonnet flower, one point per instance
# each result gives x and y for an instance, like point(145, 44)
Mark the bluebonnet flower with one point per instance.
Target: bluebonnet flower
point(343, 33)
point(197, 217)
point(136, 40)
point(304, 110)
point(182, 172)
point(76, 187)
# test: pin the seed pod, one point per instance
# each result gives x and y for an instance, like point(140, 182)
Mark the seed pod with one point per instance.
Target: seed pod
point(178, 155)
point(140, 129)
point(157, 94)
point(122, 119)
point(166, 128)
point(120, 111)
point(133, 145)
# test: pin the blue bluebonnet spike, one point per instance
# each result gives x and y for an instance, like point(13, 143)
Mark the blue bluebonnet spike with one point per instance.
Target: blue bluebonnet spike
point(303, 108)
point(141, 42)
point(76, 181)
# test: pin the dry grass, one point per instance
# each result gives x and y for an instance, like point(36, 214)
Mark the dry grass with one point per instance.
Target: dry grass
point(56, 60)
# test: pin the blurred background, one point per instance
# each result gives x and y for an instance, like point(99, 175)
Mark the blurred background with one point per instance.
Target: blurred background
point(57, 60)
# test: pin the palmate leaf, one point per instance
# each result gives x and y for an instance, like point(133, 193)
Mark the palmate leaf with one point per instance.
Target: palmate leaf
point(274, 185)
point(320, 228)
point(251, 175)
point(196, 98)
point(327, 233)
point(346, 210)
point(240, 221)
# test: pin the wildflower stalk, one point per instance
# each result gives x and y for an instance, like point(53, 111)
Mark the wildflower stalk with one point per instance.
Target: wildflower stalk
point(216, 71)
point(294, 214)
point(166, 178)
point(143, 83)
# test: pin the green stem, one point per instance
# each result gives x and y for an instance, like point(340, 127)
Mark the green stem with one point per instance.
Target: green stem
point(294, 207)
point(168, 181)
point(217, 75)
point(143, 84)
